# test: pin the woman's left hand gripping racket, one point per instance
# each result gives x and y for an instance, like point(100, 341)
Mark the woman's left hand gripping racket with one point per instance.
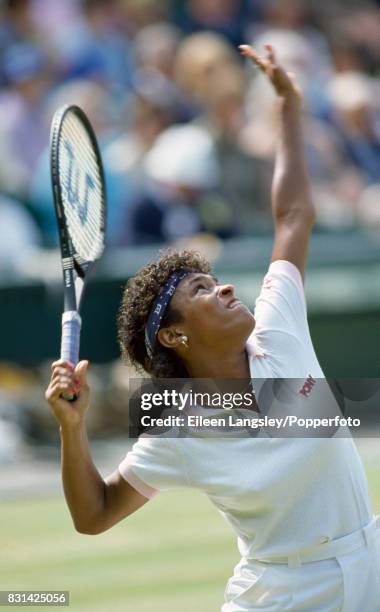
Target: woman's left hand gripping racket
point(80, 205)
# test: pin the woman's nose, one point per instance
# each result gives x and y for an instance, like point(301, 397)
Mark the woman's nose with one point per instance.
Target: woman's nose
point(226, 289)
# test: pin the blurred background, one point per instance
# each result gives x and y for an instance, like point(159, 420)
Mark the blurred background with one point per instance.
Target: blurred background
point(187, 131)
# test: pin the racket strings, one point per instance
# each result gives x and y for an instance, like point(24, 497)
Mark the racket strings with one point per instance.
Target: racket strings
point(82, 204)
point(82, 188)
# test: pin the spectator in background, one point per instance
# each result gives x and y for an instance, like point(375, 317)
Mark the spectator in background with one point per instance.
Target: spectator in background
point(124, 159)
point(200, 57)
point(23, 125)
point(224, 17)
point(292, 16)
point(16, 25)
point(52, 18)
point(138, 14)
point(355, 100)
point(152, 104)
point(361, 25)
point(181, 196)
point(155, 49)
point(347, 56)
point(299, 55)
point(19, 236)
point(96, 47)
point(336, 183)
point(144, 76)
point(211, 75)
point(245, 178)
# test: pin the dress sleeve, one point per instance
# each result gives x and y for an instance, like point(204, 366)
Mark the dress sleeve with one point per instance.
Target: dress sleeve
point(280, 312)
point(154, 464)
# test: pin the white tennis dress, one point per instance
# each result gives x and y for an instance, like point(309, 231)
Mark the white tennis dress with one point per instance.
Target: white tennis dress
point(299, 506)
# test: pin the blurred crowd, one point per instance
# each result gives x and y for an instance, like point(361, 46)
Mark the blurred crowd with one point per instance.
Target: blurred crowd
point(187, 129)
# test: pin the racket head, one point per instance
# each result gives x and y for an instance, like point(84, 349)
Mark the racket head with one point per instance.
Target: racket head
point(79, 188)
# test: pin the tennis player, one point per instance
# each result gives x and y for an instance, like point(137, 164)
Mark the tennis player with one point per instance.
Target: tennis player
point(300, 507)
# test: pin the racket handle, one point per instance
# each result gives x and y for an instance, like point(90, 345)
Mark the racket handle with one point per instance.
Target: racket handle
point(71, 324)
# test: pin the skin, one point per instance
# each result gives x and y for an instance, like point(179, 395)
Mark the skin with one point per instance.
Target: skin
point(216, 334)
point(218, 325)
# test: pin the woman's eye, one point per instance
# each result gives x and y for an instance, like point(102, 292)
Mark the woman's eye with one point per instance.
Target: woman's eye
point(200, 287)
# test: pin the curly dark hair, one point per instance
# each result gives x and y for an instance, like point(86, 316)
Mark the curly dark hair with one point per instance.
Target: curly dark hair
point(139, 294)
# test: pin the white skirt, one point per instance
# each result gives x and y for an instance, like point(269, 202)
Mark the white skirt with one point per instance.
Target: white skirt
point(348, 582)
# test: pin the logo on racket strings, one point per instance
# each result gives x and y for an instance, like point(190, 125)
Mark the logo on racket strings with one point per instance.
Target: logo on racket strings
point(77, 185)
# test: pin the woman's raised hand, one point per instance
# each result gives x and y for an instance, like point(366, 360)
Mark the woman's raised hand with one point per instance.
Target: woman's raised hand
point(284, 82)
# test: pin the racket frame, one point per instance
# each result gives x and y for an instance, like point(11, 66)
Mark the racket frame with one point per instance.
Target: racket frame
point(75, 269)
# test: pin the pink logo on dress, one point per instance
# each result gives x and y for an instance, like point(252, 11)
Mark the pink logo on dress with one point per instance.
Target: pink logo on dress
point(267, 284)
point(308, 386)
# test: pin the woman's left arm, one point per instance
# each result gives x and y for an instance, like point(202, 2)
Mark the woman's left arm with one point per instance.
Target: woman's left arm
point(293, 211)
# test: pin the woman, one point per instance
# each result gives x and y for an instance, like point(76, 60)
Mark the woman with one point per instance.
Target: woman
point(300, 507)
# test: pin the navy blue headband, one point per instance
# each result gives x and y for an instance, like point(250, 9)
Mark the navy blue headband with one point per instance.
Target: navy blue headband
point(159, 308)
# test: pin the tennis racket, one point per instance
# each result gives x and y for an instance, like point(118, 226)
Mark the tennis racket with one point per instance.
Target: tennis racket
point(80, 206)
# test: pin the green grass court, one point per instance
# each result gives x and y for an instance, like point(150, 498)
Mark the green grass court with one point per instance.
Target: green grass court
point(175, 554)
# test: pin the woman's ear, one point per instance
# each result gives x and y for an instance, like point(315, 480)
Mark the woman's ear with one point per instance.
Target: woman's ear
point(170, 337)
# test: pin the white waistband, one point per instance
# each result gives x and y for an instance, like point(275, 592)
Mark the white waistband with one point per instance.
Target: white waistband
point(331, 548)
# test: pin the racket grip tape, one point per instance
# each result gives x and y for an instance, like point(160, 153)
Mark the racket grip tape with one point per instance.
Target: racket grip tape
point(71, 325)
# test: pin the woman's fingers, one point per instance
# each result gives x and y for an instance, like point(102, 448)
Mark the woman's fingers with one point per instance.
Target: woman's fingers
point(61, 372)
point(63, 379)
point(58, 386)
point(270, 54)
point(265, 64)
point(284, 83)
point(62, 368)
point(249, 52)
point(62, 363)
point(66, 381)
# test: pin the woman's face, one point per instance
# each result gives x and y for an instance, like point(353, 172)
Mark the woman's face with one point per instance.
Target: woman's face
point(212, 315)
